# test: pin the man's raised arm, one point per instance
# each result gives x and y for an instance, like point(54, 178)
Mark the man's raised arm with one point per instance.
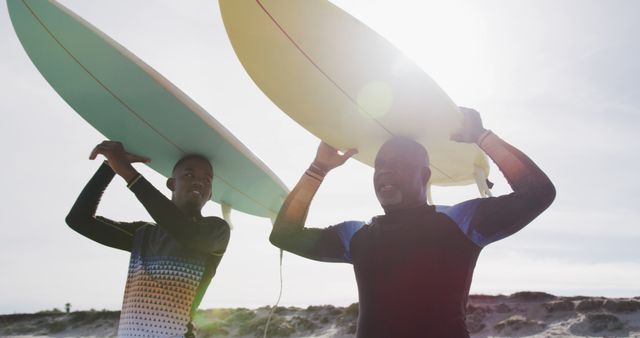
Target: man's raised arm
point(82, 216)
point(498, 217)
point(289, 232)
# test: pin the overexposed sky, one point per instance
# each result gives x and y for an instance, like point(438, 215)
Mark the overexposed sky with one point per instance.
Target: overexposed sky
point(558, 79)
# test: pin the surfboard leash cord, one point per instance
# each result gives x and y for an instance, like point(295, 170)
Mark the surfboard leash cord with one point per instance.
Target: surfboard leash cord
point(273, 309)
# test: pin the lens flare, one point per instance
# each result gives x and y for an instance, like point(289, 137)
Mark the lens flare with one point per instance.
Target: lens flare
point(375, 99)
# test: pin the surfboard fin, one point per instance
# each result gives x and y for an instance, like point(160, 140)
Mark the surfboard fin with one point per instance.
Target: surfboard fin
point(482, 182)
point(226, 213)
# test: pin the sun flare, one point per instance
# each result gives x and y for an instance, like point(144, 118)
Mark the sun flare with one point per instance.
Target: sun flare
point(446, 39)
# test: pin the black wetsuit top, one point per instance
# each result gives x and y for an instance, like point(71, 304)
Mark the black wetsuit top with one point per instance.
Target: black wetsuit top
point(172, 262)
point(414, 267)
point(397, 255)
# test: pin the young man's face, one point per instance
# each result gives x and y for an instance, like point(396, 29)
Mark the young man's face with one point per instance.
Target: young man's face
point(400, 177)
point(191, 184)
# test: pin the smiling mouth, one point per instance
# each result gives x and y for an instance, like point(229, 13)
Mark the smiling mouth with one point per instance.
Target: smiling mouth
point(386, 187)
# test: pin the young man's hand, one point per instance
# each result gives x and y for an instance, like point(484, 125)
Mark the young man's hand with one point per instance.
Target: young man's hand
point(118, 158)
point(328, 157)
point(471, 128)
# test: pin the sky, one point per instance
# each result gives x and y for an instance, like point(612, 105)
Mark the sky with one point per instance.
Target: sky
point(558, 79)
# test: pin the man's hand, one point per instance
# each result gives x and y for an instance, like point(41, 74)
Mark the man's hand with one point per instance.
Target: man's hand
point(471, 128)
point(328, 157)
point(118, 158)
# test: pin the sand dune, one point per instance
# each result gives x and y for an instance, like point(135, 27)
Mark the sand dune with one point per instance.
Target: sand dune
point(523, 314)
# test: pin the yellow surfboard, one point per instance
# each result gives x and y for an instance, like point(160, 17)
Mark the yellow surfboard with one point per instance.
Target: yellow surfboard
point(346, 84)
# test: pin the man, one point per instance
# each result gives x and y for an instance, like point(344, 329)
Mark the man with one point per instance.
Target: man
point(414, 264)
point(172, 261)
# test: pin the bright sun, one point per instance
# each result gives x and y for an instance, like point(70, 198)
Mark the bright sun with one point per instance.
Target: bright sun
point(447, 39)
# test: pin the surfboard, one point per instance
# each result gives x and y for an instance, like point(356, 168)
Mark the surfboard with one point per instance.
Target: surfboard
point(127, 100)
point(346, 84)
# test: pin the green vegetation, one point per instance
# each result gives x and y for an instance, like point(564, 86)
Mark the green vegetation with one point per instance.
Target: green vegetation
point(518, 315)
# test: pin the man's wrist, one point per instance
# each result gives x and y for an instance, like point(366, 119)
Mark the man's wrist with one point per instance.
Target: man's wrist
point(320, 170)
point(128, 173)
point(316, 172)
point(483, 136)
point(133, 181)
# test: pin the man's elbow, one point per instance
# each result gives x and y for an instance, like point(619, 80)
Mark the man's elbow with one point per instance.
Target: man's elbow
point(74, 220)
point(280, 237)
point(277, 238)
point(547, 195)
point(71, 220)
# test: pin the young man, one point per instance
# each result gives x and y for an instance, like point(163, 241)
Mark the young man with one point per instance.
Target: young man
point(414, 264)
point(172, 261)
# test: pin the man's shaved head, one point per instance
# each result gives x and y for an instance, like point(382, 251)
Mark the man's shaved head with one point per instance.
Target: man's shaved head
point(407, 148)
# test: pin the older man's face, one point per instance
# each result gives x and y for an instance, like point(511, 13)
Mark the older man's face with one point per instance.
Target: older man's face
point(400, 176)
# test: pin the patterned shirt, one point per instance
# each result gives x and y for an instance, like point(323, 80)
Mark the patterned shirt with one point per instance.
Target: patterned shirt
point(172, 262)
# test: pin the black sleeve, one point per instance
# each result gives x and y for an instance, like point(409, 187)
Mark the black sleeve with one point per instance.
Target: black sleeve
point(498, 217)
point(326, 245)
point(83, 220)
point(209, 235)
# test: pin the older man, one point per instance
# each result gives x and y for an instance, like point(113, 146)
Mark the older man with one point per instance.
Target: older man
point(414, 264)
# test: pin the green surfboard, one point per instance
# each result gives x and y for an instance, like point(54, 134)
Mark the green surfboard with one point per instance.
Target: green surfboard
point(126, 100)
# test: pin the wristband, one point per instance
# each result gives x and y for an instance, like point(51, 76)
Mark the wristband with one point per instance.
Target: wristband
point(483, 136)
point(314, 175)
point(134, 180)
point(314, 168)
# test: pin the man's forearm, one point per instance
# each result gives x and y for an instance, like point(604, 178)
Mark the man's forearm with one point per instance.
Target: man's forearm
point(293, 214)
point(522, 174)
point(499, 217)
point(85, 207)
point(82, 217)
point(289, 232)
